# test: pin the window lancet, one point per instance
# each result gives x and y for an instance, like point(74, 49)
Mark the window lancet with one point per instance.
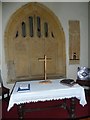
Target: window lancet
point(23, 29)
point(16, 34)
point(52, 34)
point(46, 29)
point(31, 26)
point(38, 26)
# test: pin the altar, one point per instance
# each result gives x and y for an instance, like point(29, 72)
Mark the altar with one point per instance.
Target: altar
point(34, 91)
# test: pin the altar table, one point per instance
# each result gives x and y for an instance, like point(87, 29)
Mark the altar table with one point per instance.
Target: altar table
point(45, 92)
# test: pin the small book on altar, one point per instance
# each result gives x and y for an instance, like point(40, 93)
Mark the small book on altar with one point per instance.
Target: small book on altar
point(69, 82)
point(24, 87)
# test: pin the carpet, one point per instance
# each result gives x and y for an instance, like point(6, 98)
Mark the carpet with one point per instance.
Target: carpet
point(54, 113)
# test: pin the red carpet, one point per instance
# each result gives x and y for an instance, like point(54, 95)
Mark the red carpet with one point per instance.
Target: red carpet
point(53, 113)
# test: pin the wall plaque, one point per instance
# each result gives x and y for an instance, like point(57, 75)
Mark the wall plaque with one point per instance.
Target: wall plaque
point(74, 42)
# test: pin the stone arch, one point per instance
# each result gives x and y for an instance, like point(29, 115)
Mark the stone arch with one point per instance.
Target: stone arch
point(22, 53)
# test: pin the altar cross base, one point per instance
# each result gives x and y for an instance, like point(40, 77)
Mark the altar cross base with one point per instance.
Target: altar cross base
point(45, 59)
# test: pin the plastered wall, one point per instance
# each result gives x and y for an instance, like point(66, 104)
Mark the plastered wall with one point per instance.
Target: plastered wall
point(89, 34)
point(0, 31)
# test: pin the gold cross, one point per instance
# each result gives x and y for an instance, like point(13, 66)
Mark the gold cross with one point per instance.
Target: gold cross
point(45, 65)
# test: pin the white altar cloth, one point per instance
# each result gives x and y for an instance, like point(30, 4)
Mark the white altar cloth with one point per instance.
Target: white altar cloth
point(44, 92)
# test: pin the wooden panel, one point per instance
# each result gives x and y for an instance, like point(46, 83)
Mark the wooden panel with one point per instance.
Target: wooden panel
point(21, 58)
point(36, 52)
point(74, 42)
point(51, 52)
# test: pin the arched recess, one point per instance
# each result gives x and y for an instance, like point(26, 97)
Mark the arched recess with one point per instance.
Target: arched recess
point(32, 32)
